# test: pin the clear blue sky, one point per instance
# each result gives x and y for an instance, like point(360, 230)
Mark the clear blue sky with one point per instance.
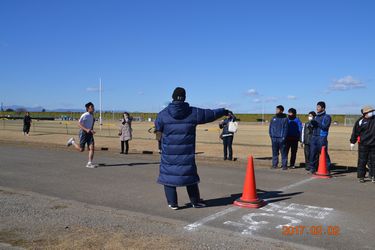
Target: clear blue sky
point(237, 54)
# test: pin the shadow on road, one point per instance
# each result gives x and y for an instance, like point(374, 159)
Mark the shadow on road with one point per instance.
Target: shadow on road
point(271, 196)
point(128, 164)
point(223, 201)
point(275, 196)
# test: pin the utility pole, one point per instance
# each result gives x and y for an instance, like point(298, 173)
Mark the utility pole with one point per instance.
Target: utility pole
point(100, 104)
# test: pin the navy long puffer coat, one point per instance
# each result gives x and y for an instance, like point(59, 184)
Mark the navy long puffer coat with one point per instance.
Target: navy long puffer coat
point(178, 122)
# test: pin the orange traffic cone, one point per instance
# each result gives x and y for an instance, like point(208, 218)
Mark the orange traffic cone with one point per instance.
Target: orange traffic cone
point(249, 197)
point(322, 169)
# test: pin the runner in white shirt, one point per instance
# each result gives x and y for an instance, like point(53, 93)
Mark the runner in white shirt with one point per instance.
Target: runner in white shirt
point(86, 134)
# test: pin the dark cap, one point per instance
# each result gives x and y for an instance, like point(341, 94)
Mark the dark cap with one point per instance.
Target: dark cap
point(281, 107)
point(179, 94)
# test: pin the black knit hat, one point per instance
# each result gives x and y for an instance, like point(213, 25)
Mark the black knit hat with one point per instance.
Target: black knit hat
point(321, 104)
point(293, 111)
point(281, 107)
point(179, 94)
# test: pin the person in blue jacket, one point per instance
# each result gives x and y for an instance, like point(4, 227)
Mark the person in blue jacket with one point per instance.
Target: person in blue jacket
point(278, 131)
point(178, 123)
point(294, 135)
point(320, 124)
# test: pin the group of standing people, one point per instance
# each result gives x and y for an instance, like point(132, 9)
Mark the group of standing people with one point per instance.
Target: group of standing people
point(286, 131)
point(176, 127)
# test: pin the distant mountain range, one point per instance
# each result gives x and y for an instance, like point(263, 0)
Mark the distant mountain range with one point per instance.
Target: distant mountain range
point(39, 109)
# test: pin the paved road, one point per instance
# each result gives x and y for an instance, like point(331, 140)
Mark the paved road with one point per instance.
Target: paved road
point(128, 183)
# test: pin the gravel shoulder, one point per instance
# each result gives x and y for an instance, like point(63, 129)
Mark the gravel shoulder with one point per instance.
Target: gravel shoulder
point(33, 221)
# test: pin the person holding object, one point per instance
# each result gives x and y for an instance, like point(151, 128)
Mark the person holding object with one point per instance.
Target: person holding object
point(293, 136)
point(364, 134)
point(321, 124)
point(26, 124)
point(157, 136)
point(278, 131)
point(178, 122)
point(125, 132)
point(227, 136)
point(306, 139)
point(86, 134)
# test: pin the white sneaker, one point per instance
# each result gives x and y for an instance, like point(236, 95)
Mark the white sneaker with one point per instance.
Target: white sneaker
point(90, 165)
point(173, 207)
point(70, 142)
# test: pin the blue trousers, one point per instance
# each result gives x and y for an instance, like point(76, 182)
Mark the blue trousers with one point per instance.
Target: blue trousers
point(171, 194)
point(227, 142)
point(279, 146)
point(316, 144)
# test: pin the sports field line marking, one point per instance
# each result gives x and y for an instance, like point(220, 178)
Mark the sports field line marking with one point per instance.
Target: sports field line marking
point(296, 184)
point(201, 222)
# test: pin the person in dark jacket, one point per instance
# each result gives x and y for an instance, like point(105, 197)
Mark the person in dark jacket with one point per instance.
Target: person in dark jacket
point(306, 138)
point(26, 124)
point(278, 131)
point(178, 123)
point(294, 135)
point(321, 124)
point(364, 130)
point(227, 136)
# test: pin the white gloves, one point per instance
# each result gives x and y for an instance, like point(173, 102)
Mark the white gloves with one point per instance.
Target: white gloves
point(352, 146)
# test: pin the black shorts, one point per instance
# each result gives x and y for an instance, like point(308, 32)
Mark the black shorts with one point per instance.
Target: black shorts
point(85, 138)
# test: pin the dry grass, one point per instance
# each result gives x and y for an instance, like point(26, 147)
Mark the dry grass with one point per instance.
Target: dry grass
point(88, 238)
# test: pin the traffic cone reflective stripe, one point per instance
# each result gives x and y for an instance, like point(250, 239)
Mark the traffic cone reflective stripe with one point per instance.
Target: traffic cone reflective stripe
point(323, 172)
point(249, 196)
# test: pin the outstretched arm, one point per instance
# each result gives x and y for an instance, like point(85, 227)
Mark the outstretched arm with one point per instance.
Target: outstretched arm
point(209, 115)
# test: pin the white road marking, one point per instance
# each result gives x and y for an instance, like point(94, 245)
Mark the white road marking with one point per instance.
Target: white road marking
point(250, 225)
point(212, 217)
point(296, 184)
point(298, 210)
point(201, 222)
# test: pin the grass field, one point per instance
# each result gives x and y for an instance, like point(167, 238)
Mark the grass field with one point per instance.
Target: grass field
point(115, 116)
point(250, 139)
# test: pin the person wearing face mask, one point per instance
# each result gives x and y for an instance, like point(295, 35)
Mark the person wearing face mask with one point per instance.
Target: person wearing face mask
point(227, 136)
point(293, 136)
point(321, 124)
point(306, 138)
point(278, 131)
point(125, 132)
point(364, 134)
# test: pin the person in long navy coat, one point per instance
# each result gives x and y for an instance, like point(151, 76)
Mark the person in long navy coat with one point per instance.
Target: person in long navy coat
point(178, 123)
